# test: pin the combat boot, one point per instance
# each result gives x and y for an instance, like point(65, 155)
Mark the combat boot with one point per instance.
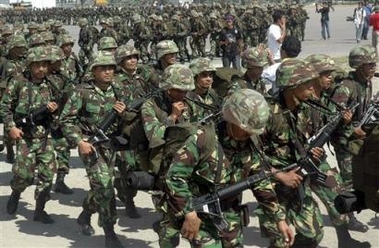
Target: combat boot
point(10, 154)
point(355, 225)
point(346, 241)
point(13, 202)
point(84, 220)
point(111, 239)
point(39, 214)
point(60, 185)
point(130, 207)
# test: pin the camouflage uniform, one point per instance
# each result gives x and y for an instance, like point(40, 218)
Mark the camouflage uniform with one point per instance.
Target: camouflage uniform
point(254, 60)
point(35, 160)
point(142, 36)
point(179, 36)
point(198, 32)
point(85, 42)
point(352, 88)
point(215, 27)
point(70, 64)
point(108, 30)
point(284, 134)
point(87, 106)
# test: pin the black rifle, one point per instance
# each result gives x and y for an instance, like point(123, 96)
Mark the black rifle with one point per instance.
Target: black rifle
point(210, 204)
point(34, 118)
point(306, 163)
point(371, 115)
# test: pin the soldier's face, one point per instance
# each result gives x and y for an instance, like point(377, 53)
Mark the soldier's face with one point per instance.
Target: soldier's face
point(103, 73)
point(204, 80)
point(170, 58)
point(130, 63)
point(368, 70)
point(177, 95)
point(38, 70)
point(326, 80)
point(67, 49)
point(254, 72)
point(237, 133)
point(305, 91)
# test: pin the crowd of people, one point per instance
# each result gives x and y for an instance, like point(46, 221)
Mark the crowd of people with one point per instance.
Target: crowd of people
point(184, 131)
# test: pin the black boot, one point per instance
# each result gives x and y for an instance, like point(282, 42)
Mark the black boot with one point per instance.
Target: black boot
point(84, 220)
point(10, 154)
point(61, 187)
point(39, 214)
point(130, 207)
point(111, 239)
point(346, 241)
point(13, 202)
point(356, 225)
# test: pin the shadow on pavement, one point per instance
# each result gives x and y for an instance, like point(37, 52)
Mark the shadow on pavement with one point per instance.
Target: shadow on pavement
point(5, 178)
point(149, 216)
point(74, 200)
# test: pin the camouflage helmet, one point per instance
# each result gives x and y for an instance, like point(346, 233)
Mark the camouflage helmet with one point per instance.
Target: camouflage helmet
point(166, 47)
point(254, 57)
point(32, 25)
point(116, 19)
point(48, 36)
point(107, 43)
point(82, 22)
point(362, 55)
point(136, 18)
point(55, 52)
point(57, 24)
point(125, 51)
point(175, 17)
point(37, 54)
point(247, 109)
point(321, 62)
point(294, 72)
point(7, 30)
point(36, 40)
point(200, 65)
point(65, 39)
point(102, 20)
point(177, 76)
point(41, 28)
point(102, 58)
point(17, 40)
point(109, 22)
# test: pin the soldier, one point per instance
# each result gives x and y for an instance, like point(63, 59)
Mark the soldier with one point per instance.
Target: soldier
point(324, 65)
point(87, 105)
point(254, 60)
point(167, 51)
point(58, 31)
point(32, 27)
point(108, 30)
point(198, 32)
point(36, 40)
point(179, 36)
point(206, 163)
point(49, 38)
point(70, 64)
point(61, 87)
point(170, 108)
point(25, 96)
point(203, 71)
point(107, 44)
point(85, 42)
point(284, 139)
point(122, 29)
point(6, 35)
point(215, 27)
point(142, 36)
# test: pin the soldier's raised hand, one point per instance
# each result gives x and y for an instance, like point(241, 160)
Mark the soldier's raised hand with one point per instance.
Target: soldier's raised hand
point(52, 106)
point(15, 133)
point(119, 107)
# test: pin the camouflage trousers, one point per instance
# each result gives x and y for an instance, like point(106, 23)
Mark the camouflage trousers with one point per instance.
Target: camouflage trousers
point(198, 47)
point(182, 46)
point(208, 235)
point(62, 150)
point(35, 163)
point(144, 52)
point(344, 160)
point(85, 57)
point(327, 195)
point(307, 222)
point(100, 198)
point(252, 38)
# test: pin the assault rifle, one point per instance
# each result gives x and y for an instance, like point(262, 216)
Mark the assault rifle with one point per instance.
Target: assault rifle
point(210, 204)
point(34, 118)
point(307, 165)
point(100, 137)
point(372, 113)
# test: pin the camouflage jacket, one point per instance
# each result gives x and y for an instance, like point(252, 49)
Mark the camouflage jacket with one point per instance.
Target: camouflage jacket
point(21, 97)
point(108, 32)
point(71, 67)
point(246, 83)
point(86, 39)
point(86, 108)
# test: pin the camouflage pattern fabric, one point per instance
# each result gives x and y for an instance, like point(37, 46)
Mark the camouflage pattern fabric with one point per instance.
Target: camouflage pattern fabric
point(177, 77)
point(321, 62)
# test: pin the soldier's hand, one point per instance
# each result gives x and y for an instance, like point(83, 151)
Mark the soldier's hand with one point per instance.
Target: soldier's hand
point(177, 110)
point(119, 107)
point(359, 133)
point(191, 226)
point(85, 148)
point(347, 116)
point(15, 133)
point(317, 152)
point(287, 233)
point(52, 106)
point(290, 178)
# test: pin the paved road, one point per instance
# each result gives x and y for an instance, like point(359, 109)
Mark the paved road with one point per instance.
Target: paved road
point(21, 231)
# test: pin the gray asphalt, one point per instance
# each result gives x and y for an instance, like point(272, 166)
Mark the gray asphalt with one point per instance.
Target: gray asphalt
point(21, 231)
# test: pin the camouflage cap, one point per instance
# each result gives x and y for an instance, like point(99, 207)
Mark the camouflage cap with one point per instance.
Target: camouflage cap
point(17, 40)
point(200, 65)
point(7, 30)
point(32, 25)
point(177, 76)
point(37, 54)
point(65, 39)
point(107, 43)
point(82, 22)
point(36, 40)
point(254, 57)
point(321, 62)
point(55, 53)
point(166, 47)
point(247, 109)
point(362, 55)
point(102, 58)
point(294, 72)
point(125, 51)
